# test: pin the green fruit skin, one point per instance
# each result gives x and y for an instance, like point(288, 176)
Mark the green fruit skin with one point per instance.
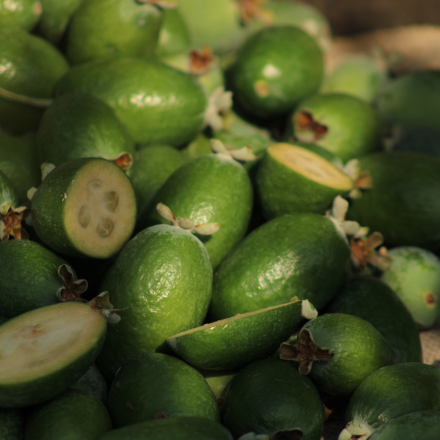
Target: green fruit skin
point(34, 67)
point(109, 28)
point(79, 125)
point(157, 104)
point(300, 255)
point(19, 162)
point(403, 204)
point(92, 383)
point(269, 396)
point(413, 426)
point(174, 36)
point(282, 190)
point(11, 424)
point(236, 343)
point(376, 303)
point(275, 69)
point(39, 390)
point(159, 385)
point(208, 189)
point(48, 203)
point(55, 18)
point(176, 428)
point(70, 415)
point(158, 274)
point(414, 274)
point(393, 391)
point(359, 350)
point(354, 127)
point(28, 277)
point(20, 14)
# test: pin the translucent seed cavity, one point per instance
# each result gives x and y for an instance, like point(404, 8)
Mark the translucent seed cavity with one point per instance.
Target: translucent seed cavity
point(111, 201)
point(105, 227)
point(84, 216)
point(94, 186)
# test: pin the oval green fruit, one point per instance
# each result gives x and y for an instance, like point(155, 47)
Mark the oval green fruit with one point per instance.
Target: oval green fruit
point(20, 14)
point(93, 383)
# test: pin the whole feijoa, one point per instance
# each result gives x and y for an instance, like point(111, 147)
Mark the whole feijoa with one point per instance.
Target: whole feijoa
point(275, 69)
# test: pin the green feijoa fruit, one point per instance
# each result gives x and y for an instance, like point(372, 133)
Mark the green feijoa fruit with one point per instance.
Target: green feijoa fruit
point(403, 203)
point(93, 383)
point(341, 123)
point(302, 255)
point(45, 351)
point(70, 415)
point(55, 18)
point(12, 423)
point(388, 393)
point(413, 426)
point(174, 36)
point(20, 14)
point(411, 100)
point(156, 386)
point(360, 76)
point(157, 104)
point(176, 428)
point(209, 188)
point(423, 140)
point(376, 303)
point(293, 179)
point(160, 273)
point(85, 208)
point(235, 342)
point(32, 276)
point(109, 28)
point(219, 381)
point(338, 351)
point(275, 69)
point(271, 397)
point(33, 66)
point(414, 274)
point(18, 160)
point(197, 147)
point(81, 125)
point(151, 168)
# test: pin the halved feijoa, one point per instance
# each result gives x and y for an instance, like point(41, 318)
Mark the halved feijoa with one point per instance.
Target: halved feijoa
point(44, 351)
point(293, 179)
point(238, 341)
point(85, 207)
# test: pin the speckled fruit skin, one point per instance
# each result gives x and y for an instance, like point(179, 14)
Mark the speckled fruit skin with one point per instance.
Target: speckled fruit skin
point(393, 391)
point(372, 300)
point(20, 14)
point(72, 413)
point(155, 386)
point(270, 396)
point(209, 188)
point(299, 255)
point(275, 69)
point(403, 204)
point(158, 104)
point(162, 279)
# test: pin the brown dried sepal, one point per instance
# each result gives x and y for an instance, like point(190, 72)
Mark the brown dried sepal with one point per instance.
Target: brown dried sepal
point(202, 61)
point(71, 290)
point(123, 161)
point(305, 123)
point(290, 434)
point(102, 304)
point(252, 9)
point(363, 252)
point(305, 352)
point(11, 219)
point(159, 416)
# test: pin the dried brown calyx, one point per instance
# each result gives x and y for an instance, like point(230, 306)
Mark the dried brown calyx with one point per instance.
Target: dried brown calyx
point(102, 304)
point(305, 352)
point(253, 10)
point(307, 129)
point(123, 161)
point(201, 61)
point(71, 290)
point(364, 253)
point(10, 222)
point(361, 179)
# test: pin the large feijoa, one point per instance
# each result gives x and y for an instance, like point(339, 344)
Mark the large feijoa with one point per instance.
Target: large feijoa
point(158, 104)
point(209, 188)
point(275, 69)
point(45, 351)
point(85, 207)
point(163, 277)
point(302, 255)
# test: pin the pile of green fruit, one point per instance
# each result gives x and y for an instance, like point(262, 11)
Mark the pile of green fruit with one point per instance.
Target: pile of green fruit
point(205, 234)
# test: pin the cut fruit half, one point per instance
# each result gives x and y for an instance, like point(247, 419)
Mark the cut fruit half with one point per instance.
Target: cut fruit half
point(235, 342)
point(45, 351)
point(294, 179)
point(85, 207)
